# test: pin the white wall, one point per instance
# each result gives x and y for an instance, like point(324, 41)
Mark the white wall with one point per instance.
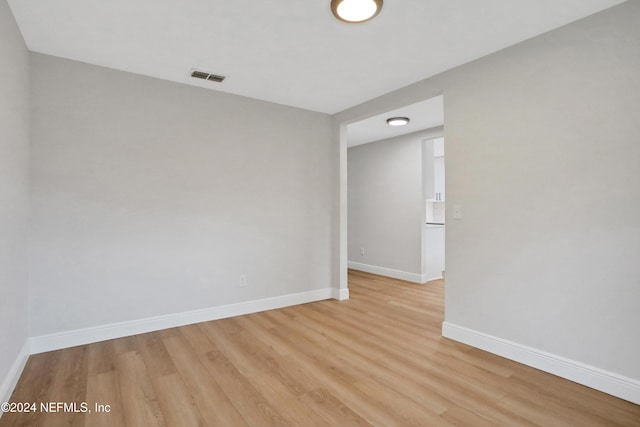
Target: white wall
point(386, 205)
point(152, 198)
point(543, 156)
point(14, 150)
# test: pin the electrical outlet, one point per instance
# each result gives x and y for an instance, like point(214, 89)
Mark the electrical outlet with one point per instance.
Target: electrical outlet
point(361, 251)
point(243, 280)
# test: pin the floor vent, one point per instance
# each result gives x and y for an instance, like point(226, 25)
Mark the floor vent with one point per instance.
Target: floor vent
point(206, 76)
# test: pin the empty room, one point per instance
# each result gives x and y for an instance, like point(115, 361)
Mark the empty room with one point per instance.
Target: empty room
point(189, 234)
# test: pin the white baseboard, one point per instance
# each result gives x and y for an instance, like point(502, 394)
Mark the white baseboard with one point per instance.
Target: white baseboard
point(429, 277)
point(590, 376)
point(56, 341)
point(341, 294)
point(389, 272)
point(10, 381)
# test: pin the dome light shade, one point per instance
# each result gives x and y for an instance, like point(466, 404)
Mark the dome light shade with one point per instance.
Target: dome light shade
point(398, 121)
point(355, 11)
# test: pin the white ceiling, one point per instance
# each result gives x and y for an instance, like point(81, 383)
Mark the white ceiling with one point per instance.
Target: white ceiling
point(292, 52)
point(422, 115)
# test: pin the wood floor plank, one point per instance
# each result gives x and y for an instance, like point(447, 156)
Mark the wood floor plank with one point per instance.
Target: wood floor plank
point(213, 404)
point(34, 387)
point(360, 403)
point(389, 374)
point(262, 327)
point(196, 338)
point(377, 359)
point(460, 416)
point(543, 414)
point(279, 396)
point(263, 360)
point(102, 389)
point(367, 406)
point(253, 407)
point(176, 403)
point(332, 409)
point(125, 344)
point(100, 358)
point(155, 355)
point(69, 386)
point(139, 403)
point(411, 413)
point(582, 397)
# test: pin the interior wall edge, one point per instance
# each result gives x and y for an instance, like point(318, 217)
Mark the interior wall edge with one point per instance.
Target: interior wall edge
point(341, 294)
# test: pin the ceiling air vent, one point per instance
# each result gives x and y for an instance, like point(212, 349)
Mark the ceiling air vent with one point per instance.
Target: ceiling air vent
point(206, 76)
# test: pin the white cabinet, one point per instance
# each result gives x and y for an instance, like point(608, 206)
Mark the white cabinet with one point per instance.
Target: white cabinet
point(434, 230)
point(435, 211)
point(438, 178)
point(438, 147)
point(433, 252)
point(434, 180)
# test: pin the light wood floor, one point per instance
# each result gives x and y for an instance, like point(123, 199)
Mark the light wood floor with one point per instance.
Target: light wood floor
point(376, 359)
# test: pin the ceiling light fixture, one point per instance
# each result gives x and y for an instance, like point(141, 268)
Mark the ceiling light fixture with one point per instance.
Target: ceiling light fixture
point(398, 121)
point(354, 11)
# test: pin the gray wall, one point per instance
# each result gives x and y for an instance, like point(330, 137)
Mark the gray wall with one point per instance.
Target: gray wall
point(14, 150)
point(543, 155)
point(386, 203)
point(151, 198)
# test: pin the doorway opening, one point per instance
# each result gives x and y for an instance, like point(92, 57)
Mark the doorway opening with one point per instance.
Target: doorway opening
point(386, 179)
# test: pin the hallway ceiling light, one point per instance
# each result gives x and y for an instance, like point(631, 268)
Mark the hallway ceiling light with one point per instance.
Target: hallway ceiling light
point(398, 121)
point(355, 11)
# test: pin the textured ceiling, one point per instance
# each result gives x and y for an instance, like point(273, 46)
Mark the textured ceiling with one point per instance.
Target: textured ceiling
point(292, 52)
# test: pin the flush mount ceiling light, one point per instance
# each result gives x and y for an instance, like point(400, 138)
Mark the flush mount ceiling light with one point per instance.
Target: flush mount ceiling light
point(398, 121)
point(355, 11)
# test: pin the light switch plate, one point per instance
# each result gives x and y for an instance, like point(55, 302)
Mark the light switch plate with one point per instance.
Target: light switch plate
point(457, 212)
